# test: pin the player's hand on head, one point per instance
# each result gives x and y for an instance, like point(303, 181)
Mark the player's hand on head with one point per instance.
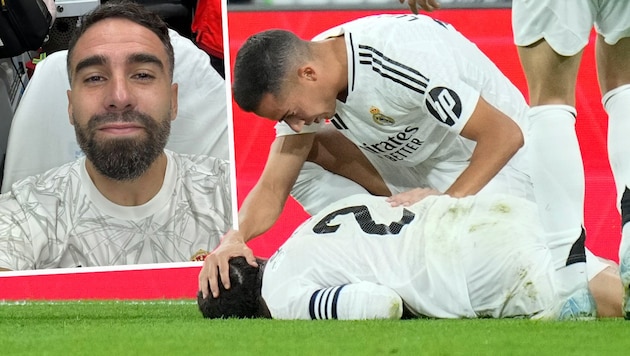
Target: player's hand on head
point(216, 264)
point(411, 197)
point(426, 5)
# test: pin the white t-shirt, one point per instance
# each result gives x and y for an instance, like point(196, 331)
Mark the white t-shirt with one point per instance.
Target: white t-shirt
point(60, 219)
point(445, 257)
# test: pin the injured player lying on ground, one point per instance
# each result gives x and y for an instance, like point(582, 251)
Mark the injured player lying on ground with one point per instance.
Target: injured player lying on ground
point(361, 258)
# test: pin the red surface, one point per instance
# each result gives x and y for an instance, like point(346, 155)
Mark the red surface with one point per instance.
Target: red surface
point(155, 282)
point(491, 31)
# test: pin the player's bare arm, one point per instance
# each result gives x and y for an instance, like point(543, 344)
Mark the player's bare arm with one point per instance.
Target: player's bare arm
point(411, 197)
point(232, 245)
point(498, 138)
point(260, 210)
point(426, 5)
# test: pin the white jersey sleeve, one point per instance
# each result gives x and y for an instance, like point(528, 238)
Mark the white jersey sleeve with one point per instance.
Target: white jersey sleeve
point(356, 301)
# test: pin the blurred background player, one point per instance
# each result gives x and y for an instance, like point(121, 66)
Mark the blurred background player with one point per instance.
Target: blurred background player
point(551, 36)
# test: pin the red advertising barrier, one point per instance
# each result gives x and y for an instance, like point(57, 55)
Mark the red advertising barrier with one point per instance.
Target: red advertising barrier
point(135, 282)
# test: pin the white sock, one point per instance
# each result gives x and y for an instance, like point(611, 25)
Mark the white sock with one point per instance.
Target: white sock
point(617, 105)
point(558, 177)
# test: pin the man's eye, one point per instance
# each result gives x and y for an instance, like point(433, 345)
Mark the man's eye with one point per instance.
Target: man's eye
point(94, 78)
point(143, 76)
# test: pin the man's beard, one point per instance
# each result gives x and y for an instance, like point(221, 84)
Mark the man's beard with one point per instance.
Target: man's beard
point(123, 158)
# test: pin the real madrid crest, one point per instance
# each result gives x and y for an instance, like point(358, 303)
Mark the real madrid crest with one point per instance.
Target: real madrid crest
point(379, 118)
point(200, 255)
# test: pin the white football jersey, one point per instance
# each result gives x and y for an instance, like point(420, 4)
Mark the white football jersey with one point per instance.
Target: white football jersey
point(440, 256)
point(60, 219)
point(413, 83)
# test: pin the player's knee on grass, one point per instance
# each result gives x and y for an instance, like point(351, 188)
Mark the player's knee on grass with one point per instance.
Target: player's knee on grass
point(607, 290)
point(241, 300)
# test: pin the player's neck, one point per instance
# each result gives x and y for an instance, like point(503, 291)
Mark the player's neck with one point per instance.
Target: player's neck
point(130, 192)
point(333, 53)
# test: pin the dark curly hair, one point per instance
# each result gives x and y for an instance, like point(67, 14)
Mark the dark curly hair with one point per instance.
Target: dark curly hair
point(262, 64)
point(242, 300)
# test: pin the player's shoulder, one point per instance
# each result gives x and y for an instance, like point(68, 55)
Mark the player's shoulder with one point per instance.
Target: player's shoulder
point(381, 26)
point(395, 25)
point(52, 181)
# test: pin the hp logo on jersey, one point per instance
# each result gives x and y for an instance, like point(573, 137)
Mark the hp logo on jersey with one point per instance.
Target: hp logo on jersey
point(444, 104)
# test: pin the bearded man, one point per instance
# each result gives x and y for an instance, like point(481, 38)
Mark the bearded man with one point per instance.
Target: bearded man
point(129, 200)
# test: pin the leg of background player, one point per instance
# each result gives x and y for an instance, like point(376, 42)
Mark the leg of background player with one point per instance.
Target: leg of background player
point(613, 66)
point(557, 170)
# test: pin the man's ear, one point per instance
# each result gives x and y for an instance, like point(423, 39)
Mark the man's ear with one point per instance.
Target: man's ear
point(308, 73)
point(69, 94)
point(174, 100)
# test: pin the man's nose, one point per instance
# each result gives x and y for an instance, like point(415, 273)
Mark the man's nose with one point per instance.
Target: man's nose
point(119, 95)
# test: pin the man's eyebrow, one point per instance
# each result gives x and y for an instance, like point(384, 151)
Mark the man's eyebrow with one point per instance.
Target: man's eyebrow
point(97, 60)
point(90, 61)
point(145, 58)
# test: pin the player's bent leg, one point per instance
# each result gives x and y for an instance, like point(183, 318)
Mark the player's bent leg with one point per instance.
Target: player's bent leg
point(613, 63)
point(511, 277)
point(551, 78)
point(608, 293)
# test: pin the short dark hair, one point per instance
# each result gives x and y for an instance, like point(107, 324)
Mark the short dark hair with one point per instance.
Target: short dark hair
point(262, 64)
point(242, 300)
point(124, 9)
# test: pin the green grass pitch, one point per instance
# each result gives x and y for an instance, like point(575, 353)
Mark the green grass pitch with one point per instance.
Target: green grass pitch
point(176, 327)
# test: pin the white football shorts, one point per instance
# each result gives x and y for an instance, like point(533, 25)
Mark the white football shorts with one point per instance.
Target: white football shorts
point(566, 24)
